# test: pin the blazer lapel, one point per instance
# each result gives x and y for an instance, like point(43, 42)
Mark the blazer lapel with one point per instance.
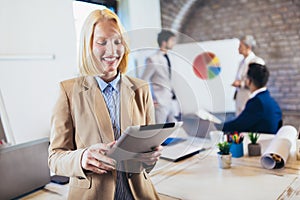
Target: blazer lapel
point(99, 109)
point(126, 98)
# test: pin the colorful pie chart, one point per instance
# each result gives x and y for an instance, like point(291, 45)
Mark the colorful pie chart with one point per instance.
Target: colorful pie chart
point(206, 66)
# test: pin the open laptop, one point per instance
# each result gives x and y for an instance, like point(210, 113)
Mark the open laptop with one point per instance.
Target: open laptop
point(187, 147)
point(24, 168)
point(2, 134)
point(195, 139)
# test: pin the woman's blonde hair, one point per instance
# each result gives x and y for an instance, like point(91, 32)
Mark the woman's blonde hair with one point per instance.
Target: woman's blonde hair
point(87, 60)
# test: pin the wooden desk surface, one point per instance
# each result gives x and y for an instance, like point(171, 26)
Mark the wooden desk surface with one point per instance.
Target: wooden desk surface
point(203, 179)
point(199, 177)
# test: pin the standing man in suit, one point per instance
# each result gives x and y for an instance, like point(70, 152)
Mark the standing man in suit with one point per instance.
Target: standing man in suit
point(159, 73)
point(262, 113)
point(247, 44)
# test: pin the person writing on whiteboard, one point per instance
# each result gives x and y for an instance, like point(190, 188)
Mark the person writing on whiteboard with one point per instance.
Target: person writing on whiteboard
point(262, 113)
point(158, 72)
point(242, 93)
point(93, 110)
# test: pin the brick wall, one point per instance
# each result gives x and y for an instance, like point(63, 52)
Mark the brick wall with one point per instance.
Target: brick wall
point(274, 23)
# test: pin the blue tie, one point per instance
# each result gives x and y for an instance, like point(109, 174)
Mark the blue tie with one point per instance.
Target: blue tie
point(169, 65)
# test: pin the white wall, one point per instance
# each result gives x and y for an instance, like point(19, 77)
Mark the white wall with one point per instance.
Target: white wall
point(38, 49)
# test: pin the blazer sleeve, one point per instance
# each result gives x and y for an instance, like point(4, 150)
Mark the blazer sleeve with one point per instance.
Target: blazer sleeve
point(150, 116)
point(247, 119)
point(64, 159)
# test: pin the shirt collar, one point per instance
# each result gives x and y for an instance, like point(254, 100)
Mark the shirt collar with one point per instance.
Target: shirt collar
point(250, 57)
point(114, 83)
point(253, 94)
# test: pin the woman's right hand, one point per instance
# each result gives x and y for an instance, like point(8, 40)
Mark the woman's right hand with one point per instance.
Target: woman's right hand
point(95, 160)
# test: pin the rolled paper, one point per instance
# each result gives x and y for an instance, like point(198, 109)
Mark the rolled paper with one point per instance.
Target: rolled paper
point(278, 151)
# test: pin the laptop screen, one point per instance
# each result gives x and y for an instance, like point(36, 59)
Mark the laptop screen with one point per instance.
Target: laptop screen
point(24, 168)
point(2, 135)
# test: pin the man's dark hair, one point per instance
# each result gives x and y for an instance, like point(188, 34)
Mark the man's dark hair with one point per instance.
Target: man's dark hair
point(164, 35)
point(258, 74)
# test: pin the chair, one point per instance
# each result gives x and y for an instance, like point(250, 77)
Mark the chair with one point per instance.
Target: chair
point(280, 123)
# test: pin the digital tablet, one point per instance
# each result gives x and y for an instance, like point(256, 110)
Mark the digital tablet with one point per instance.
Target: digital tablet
point(141, 139)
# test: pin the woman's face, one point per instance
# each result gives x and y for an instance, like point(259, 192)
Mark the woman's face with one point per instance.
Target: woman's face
point(243, 49)
point(108, 49)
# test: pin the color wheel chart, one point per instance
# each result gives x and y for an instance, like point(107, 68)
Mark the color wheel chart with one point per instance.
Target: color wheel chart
point(206, 66)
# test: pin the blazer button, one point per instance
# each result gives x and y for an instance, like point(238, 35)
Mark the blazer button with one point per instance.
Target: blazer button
point(130, 175)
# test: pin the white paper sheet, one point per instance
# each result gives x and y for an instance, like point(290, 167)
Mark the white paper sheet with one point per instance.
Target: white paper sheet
point(277, 153)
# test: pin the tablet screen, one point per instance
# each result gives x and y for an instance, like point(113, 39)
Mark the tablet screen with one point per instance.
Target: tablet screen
point(140, 139)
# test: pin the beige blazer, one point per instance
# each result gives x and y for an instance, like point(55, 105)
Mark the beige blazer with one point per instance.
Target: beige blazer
point(80, 119)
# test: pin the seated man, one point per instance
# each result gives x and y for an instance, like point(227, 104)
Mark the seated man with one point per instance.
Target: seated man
point(262, 113)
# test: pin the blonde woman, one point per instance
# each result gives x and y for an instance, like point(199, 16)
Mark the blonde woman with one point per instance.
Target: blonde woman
point(91, 113)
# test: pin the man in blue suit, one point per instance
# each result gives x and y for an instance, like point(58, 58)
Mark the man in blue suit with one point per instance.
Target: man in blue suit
point(262, 113)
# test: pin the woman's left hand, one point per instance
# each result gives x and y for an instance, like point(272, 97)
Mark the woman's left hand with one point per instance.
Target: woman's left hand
point(150, 158)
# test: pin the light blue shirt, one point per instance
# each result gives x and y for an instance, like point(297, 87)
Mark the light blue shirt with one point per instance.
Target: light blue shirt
point(116, 96)
point(123, 189)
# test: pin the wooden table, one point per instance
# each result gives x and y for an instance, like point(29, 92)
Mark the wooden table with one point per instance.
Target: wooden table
point(199, 177)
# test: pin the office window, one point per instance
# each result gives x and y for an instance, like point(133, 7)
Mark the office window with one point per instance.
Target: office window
point(80, 11)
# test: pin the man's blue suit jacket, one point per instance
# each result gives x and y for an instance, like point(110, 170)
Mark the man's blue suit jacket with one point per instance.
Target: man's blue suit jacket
point(261, 114)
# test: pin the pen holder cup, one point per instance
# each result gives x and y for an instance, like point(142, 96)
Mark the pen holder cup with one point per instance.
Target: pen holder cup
point(237, 150)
